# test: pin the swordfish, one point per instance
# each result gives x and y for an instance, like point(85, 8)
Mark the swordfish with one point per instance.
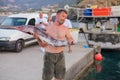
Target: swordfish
point(42, 35)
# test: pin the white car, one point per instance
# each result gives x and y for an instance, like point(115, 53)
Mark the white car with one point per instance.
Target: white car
point(12, 39)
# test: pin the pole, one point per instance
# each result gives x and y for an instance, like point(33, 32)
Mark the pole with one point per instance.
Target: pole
point(82, 31)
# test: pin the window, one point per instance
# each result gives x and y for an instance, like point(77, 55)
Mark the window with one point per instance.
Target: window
point(10, 21)
point(32, 22)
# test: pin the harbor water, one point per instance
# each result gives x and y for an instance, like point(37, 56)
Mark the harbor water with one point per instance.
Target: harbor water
point(107, 69)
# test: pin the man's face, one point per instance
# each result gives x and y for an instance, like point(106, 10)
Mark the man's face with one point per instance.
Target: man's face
point(61, 17)
point(41, 15)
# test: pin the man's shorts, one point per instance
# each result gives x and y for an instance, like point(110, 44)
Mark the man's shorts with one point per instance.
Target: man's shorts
point(54, 66)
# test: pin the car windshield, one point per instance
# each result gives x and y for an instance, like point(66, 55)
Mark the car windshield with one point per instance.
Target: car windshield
point(11, 21)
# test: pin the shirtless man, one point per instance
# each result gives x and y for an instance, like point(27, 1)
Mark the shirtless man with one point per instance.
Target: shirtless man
point(54, 60)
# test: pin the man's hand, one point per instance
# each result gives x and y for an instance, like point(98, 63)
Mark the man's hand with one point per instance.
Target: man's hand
point(41, 43)
point(36, 35)
point(69, 48)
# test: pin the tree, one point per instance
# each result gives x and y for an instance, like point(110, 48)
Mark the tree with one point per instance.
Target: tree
point(78, 1)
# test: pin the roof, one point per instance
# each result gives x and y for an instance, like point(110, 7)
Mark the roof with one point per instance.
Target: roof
point(27, 15)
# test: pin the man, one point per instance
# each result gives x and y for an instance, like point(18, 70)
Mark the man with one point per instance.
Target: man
point(68, 23)
point(54, 61)
point(42, 23)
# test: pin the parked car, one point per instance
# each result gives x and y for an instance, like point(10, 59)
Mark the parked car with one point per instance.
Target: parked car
point(13, 39)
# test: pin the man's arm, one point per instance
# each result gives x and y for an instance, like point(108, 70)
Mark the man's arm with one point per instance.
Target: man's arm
point(69, 39)
point(42, 21)
point(45, 24)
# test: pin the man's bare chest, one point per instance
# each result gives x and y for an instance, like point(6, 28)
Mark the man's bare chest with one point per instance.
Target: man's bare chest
point(57, 33)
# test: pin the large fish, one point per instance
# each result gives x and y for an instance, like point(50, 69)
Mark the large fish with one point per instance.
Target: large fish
point(42, 35)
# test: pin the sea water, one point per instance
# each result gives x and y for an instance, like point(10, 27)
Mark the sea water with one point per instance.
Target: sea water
point(107, 69)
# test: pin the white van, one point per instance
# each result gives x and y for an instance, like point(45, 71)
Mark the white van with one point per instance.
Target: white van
point(12, 39)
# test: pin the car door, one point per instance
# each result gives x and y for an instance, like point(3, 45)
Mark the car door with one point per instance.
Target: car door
point(29, 38)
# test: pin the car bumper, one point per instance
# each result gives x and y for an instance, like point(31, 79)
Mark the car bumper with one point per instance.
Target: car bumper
point(7, 45)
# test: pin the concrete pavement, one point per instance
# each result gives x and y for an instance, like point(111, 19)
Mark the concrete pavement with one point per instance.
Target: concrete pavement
point(28, 64)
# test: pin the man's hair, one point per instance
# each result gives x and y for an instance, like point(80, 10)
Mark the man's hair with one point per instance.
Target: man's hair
point(62, 10)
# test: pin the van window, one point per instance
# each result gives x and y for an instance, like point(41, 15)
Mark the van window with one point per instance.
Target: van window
point(31, 22)
point(11, 21)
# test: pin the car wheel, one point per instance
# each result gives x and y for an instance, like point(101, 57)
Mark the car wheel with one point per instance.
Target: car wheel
point(19, 46)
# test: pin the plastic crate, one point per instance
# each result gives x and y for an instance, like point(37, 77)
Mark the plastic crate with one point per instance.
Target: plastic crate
point(101, 11)
point(87, 12)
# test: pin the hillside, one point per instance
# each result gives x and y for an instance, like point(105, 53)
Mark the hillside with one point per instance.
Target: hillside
point(100, 3)
point(18, 5)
